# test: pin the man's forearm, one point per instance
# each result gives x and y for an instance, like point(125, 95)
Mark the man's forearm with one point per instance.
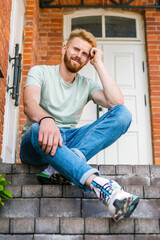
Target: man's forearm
point(34, 112)
point(111, 90)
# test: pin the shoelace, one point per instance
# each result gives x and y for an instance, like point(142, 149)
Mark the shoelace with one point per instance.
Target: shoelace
point(50, 169)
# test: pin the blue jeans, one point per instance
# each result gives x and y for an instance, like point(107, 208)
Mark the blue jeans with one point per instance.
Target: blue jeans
point(79, 145)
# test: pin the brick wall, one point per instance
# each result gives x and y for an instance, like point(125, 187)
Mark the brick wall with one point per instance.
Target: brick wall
point(50, 36)
point(30, 51)
point(153, 47)
point(42, 43)
point(44, 38)
point(5, 11)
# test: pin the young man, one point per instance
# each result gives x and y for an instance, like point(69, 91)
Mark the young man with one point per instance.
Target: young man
point(54, 97)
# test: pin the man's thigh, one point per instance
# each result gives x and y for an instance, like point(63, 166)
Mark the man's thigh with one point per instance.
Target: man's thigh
point(71, 137)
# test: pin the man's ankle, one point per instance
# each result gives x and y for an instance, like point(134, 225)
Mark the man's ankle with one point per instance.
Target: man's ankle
point(89, 180)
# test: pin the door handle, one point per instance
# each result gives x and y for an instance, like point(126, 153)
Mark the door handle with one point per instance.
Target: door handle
point(99, 109)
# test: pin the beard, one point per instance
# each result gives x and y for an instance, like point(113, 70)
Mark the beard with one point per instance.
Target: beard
point(71, 67)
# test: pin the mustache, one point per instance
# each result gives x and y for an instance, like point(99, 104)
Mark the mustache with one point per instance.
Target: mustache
point(77, 59)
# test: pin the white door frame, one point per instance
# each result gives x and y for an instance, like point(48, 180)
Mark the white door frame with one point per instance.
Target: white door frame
point(139, 40)
point(11, 111)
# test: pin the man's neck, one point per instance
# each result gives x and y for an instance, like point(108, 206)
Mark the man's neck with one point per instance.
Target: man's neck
point(65, 74)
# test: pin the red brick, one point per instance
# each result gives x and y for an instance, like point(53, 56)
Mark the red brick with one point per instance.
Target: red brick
point(30, 3)
point(157, 161)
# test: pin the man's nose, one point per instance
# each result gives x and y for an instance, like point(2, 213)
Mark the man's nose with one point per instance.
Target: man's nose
point(79, 54)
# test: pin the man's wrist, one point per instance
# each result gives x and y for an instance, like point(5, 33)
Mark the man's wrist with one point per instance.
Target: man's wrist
point(45, 118)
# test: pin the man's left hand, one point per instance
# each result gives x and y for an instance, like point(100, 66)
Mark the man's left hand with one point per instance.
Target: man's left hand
point(96, 56)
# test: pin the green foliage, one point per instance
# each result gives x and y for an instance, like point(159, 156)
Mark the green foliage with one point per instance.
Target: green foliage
point(3, 192)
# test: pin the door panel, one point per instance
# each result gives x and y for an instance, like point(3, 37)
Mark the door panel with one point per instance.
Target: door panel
point(124, 63)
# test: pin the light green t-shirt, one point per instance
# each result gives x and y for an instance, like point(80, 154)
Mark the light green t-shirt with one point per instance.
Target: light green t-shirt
point(59, 99)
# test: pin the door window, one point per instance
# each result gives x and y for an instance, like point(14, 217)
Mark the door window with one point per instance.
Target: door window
point(92, 24)
point(108, 26)
point(120, 27)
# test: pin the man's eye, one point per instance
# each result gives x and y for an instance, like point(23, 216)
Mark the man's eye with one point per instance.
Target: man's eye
point(76, 49)
point(85, 54)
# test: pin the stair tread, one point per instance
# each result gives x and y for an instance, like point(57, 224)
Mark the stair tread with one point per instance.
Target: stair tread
point(141, 175)
point(65, 212)
point(104, 169)
point(65, 226)
point(67, 191)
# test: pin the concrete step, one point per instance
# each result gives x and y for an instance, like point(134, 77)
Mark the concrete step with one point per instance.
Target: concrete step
point(69, 201)
point(56, 212)
point(79, 228)
point(141, 175)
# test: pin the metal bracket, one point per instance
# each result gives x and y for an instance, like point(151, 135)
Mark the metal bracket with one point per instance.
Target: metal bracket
point(47, 4)
point(17, 74)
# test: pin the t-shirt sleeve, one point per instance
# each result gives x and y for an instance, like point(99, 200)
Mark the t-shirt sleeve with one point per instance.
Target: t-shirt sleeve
point(35, 77)
point(93, 87)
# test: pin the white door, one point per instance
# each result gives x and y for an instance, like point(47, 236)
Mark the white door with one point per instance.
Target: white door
point(11, 111)
point(127, 64)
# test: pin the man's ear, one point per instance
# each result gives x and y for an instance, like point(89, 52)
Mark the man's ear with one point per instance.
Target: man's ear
point(64, 48)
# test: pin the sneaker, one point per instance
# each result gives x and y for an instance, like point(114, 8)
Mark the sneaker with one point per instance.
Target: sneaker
point(120, 203)
point(51, 176)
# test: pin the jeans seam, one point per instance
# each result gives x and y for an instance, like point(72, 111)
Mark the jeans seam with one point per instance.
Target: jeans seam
point(72, 139)
point(90, 133)
point(64, 136)
point(98, 124)
point(107, 114)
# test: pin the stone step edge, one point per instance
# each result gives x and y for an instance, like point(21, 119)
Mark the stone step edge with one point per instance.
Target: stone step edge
point(77, 225)
point(80, 237)
point(53, 191)
point(104, 169)
point(71, 207)
point(26, 179)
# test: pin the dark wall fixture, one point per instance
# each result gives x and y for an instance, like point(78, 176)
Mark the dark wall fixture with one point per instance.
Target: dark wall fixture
point(81, 4)
point(17, 74)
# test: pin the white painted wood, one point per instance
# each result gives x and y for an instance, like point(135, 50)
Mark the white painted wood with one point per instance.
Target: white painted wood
point(11, 112)
point(123, 58)
point(125, 64)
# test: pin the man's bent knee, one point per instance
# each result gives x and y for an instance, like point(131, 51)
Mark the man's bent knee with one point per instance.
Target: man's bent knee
point(124, 117)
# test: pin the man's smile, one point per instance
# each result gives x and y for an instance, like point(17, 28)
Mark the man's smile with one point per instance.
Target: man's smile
point(76, 60)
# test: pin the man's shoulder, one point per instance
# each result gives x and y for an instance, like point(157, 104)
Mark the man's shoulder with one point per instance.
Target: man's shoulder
point(41, 74)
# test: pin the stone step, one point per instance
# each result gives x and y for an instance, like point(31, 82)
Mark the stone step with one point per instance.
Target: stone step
point(69, 201)
point(71, 191)
point(104, 169)
point(79, 227)
point(146, 175)
point(31, 179)
point(81, 237)
point(56, 212)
